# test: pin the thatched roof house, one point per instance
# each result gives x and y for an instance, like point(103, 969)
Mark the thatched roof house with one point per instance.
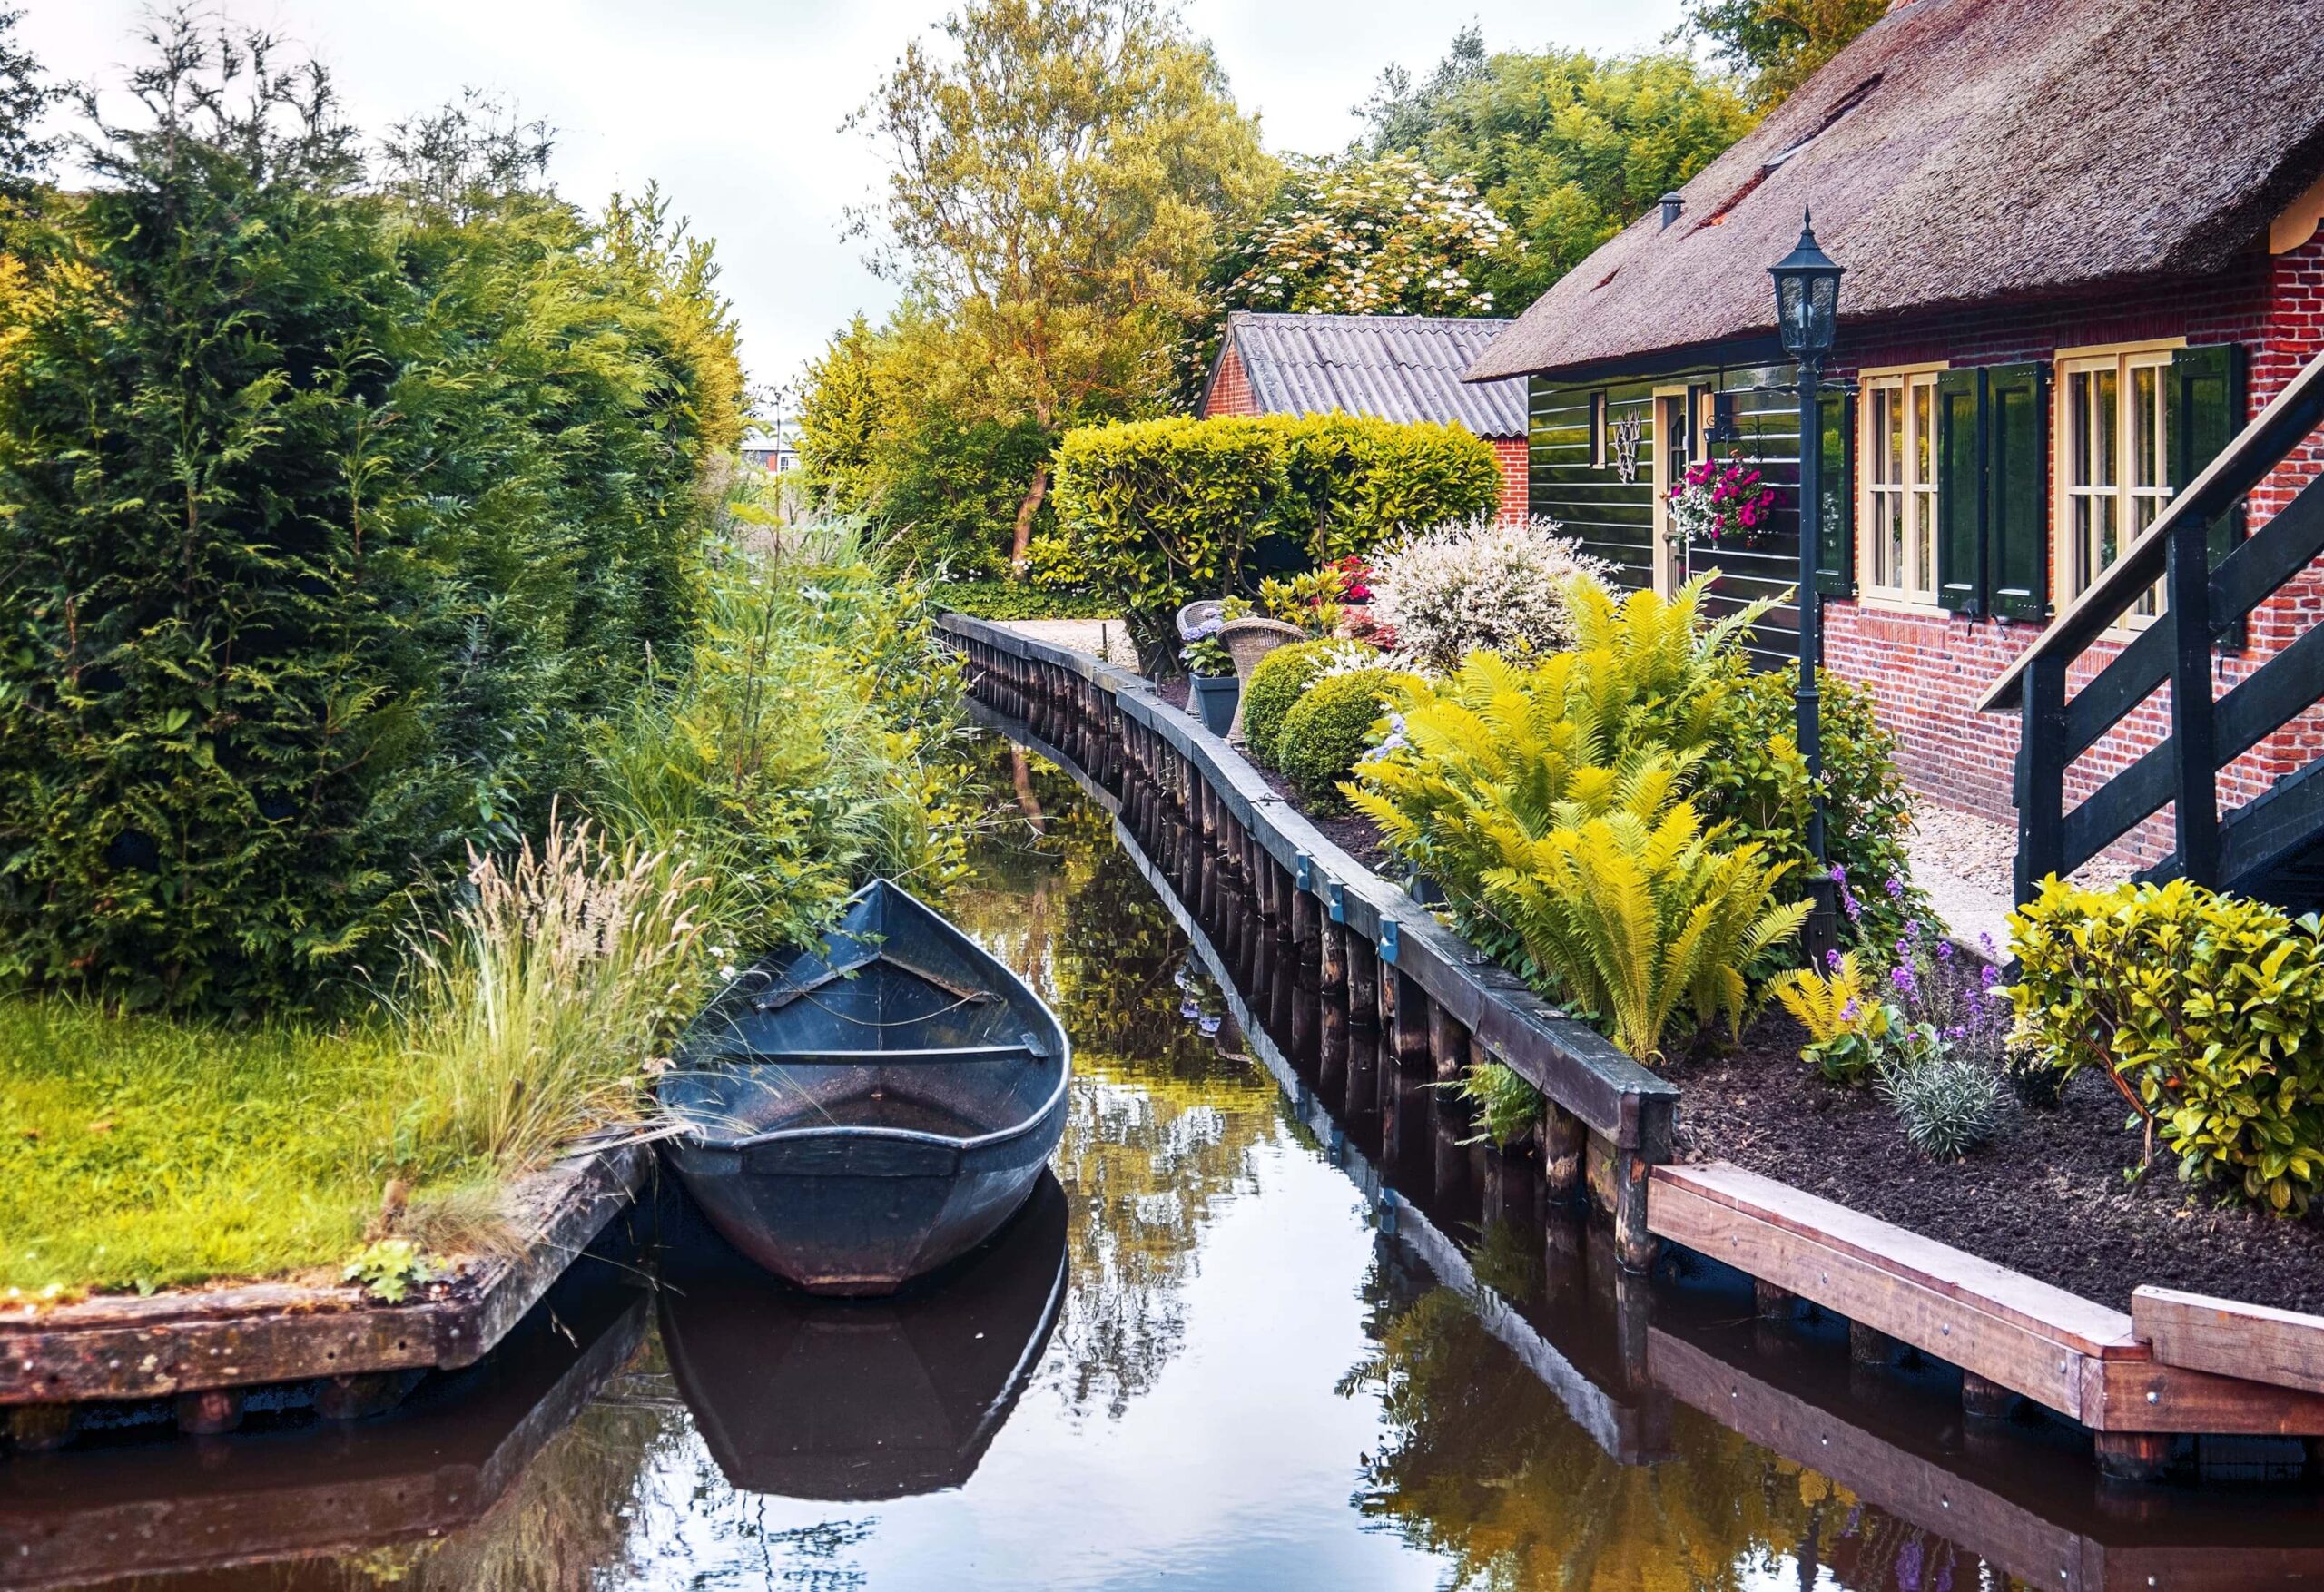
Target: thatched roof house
point(1962, 152)
point(2080, 240)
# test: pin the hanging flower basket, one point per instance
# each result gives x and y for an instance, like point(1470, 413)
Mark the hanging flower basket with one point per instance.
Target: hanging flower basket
point(1716, 506)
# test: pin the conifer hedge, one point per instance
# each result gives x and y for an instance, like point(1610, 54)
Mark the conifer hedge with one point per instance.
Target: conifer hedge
point(1159, 513)
point(331, 515)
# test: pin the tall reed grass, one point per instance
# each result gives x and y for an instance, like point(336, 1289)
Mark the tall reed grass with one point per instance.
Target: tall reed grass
point(537, 1017)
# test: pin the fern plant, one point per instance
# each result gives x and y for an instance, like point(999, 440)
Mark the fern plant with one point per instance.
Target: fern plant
point(1847, 1023)
point(1641, 917)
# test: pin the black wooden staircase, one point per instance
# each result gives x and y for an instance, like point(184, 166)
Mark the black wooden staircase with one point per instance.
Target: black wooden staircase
point(2271, 846)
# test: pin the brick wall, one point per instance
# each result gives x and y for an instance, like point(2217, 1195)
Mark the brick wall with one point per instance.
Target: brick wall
point(1516, 492)
point(1230, 389)
point(1926, 671)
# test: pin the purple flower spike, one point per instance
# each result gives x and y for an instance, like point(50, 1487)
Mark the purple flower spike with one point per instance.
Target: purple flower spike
point(1896, 888)
point(1832, 960)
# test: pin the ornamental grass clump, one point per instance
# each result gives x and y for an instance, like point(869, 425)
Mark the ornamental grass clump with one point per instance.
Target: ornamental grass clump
point(1481, 584)
point(538, 1016)
point(2206, 1012)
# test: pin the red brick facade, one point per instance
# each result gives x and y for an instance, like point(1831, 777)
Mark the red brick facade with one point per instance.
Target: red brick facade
point(1927, 670)
point(1229, 393)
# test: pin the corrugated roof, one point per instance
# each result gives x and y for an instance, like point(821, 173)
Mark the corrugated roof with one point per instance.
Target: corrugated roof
point(1396, 367)
point(1966, 151)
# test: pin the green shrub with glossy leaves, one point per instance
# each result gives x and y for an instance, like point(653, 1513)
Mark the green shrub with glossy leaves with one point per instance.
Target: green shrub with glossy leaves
point(1158, 514)
point(2207, 1010)
point(1329, 729)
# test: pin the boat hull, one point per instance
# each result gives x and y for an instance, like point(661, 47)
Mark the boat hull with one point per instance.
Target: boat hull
point(852, 1216)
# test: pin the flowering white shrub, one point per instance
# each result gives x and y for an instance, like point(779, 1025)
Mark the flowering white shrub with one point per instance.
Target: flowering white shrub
point(1479, 584)
point(1377, 237)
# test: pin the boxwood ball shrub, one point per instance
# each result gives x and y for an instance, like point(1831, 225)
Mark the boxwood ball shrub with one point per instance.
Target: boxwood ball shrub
point(2208, 1011)
point(1329, 728)
point(1276, 686)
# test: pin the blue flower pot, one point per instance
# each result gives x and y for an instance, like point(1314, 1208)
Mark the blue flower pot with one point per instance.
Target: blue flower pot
point(1213, 699)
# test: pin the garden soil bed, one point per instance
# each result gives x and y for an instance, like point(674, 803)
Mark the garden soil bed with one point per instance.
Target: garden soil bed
point(2047, 1196)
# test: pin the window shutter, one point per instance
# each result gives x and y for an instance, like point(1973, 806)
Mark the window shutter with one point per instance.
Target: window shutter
point(2207, 399)
point(1836, 529)
point(2017, 492)
point(1960, 492)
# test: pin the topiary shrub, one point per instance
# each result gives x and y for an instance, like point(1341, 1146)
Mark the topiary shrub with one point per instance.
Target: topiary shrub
point(1330, 728)
point(1276, 687)
point(2206, 1010)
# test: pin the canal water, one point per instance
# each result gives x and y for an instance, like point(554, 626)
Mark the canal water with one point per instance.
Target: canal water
point(1275, 1323)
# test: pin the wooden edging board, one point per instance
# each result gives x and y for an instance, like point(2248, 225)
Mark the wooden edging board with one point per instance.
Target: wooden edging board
point(1567, 1060)
point(116, 1347)
point(2066, 1352)
point(2222, 1335)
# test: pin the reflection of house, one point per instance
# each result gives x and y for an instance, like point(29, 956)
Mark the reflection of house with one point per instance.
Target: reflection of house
point(2082, 247)
point(1395, 367)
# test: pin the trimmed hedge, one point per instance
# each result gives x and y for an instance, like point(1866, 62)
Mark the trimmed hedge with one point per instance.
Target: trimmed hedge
point(1275, 688)
point(1159, 513)
point(1016, 599)
point(1329, 729)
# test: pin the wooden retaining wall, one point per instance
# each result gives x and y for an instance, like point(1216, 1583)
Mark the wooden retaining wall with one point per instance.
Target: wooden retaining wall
point(1430, 1004)
point(208, 1348)
point(1382, 962)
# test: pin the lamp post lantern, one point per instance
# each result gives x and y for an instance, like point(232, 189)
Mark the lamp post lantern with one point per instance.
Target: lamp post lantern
point(1807, 299)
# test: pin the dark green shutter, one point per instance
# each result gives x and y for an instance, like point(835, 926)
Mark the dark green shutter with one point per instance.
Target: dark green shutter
point(1960, 492)
point(1836, 529)
point(2017, 547)
point(2206, 398)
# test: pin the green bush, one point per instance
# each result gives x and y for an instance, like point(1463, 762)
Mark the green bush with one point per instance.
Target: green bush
point(2207, 1010)
point(1329, 729)
point(1275, 688)
point(1159, 513)
point(1016, 599)
point(1755, 781)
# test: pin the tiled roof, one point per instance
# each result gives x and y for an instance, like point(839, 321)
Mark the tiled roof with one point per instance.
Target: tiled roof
point(1970, 151)
point(1396, 367)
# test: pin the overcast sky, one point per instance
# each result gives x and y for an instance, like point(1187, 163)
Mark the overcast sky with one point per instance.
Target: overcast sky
point(736, 106)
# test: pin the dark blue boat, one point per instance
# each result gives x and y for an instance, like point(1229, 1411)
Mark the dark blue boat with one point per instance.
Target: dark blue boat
point(853, 1117)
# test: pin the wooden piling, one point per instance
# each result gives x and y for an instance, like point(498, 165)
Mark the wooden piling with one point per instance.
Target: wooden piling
point(359, 1397)
point(37, 1429)
point(1634, 1245)
point(2131, 1456)
point(1565, 1138)
point(1984, 1400)
point(1332, 963)
point(209, 1412)
point(1772, 1303)
point(1362, 983)
point(1448, 1045)
point(1869, 1345)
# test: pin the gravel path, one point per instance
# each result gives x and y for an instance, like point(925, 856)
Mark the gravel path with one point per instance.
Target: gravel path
point(1100, 638)
point(1963, 861)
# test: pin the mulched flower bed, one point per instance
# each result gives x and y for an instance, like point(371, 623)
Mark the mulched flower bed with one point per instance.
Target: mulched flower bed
point(2047, 1196)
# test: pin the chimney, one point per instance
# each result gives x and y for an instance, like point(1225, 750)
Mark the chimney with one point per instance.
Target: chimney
point(1672, 203)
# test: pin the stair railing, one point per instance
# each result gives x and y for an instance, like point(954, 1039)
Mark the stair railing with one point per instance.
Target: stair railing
point(2206, 734)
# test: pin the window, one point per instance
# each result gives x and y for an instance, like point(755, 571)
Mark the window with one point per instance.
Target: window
point(1900, 494)
point(2113, 463)
point(1597, 430)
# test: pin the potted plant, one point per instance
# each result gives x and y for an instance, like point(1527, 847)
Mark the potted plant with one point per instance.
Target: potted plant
point(1717, 505)
point(1212, 685)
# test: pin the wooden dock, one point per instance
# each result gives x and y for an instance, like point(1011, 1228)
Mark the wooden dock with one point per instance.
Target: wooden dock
point(208, 1348)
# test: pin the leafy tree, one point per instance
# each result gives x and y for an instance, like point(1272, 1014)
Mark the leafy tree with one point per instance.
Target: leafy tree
point(1567, 148)
point(1062, 173)
point(1370, 237)
point(25, 98)
point(1779, 43)
point(331, 518)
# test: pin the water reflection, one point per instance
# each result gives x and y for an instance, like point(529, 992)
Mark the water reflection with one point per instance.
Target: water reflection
point(1310, 1335)
point(857, 1401)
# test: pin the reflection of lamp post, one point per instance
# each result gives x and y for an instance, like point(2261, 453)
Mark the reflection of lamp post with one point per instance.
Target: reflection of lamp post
point(1807, 299)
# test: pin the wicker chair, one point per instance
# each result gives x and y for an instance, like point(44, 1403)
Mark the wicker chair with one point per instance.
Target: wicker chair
point(1248, 641)
point(1196, 617)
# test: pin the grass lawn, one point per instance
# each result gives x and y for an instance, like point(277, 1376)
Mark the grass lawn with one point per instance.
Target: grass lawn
point(138, 1151)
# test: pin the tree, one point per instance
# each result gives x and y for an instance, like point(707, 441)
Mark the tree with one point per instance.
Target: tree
point(1370, 237)
point(1567, 148)
point(25, 98)
point(1779, 43)
point(1061, 175)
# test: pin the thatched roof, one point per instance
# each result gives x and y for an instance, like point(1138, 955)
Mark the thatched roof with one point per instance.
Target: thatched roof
point(1969, 151)
point(1395, 367)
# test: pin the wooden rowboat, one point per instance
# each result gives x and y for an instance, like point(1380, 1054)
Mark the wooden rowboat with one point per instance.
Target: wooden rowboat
point(854, 1116)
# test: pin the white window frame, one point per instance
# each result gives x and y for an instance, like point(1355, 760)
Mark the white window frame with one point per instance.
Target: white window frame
point(2076, 538)
point(1912, 495)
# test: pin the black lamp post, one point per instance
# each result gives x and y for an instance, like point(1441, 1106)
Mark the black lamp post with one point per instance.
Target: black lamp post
point(1807, 300)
